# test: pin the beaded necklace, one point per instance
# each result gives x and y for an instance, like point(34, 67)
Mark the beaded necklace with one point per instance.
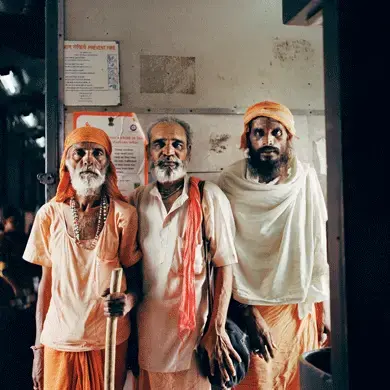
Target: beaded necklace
point(103, 212)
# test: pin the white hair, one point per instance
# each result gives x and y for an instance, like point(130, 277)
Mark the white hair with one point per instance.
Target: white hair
point(168, 174)
point(171, 120)
point(84, 183)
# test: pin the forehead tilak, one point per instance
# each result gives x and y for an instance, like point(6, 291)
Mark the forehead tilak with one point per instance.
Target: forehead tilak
point(267, 121)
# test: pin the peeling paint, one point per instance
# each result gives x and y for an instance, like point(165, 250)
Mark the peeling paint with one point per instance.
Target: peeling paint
point(218, 142)
point(289, 51)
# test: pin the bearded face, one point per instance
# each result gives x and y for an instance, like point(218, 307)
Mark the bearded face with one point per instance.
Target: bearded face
point(169, 152)
point(270, 148)
point(169, 169)
point(87, 165)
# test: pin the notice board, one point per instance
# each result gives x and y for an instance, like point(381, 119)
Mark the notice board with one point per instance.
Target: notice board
point(91, 73)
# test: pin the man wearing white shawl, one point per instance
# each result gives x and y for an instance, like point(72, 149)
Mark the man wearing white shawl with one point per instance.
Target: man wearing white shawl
point(282, 277)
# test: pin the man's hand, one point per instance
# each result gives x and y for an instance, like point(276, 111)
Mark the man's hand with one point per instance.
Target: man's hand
point(37, 371)
point(118, 304)
point(219, 349)
point(324, 326)
point(324, 337)
point(260, 335)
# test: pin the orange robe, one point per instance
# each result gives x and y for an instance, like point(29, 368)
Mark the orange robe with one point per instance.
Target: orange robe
point(293, 337)
point(81, 370)
point(190, 379)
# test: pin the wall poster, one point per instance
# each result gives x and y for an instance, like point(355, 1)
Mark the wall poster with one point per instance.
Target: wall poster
point(91, 73)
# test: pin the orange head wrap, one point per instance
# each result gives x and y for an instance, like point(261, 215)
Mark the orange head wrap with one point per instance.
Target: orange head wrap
point(273, 110)
point(87, 134)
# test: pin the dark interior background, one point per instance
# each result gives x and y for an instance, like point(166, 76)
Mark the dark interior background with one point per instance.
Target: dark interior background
point(22, 103)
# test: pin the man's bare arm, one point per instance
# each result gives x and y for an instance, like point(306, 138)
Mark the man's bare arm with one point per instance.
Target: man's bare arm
point(216, 341)
point(325, 332)
point(222, 295)
point(259, 333)
point(43, 302)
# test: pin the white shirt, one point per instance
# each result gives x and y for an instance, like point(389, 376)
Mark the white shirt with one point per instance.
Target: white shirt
point(161, 239)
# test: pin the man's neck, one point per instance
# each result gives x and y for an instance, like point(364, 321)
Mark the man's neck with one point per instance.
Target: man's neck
point(88, 202)
point(169, 184)
point(280, 172)
point(170, 191)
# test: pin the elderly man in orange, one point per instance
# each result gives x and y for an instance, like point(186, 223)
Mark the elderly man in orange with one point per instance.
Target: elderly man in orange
point(282, 273)
point(78, 238)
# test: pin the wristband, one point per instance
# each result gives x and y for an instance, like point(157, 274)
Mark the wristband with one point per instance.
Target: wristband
point(36, 347)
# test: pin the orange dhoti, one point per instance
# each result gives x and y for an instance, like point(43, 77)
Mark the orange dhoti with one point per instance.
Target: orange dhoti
point(81, 370)
point(292, 337)
point(190, 379)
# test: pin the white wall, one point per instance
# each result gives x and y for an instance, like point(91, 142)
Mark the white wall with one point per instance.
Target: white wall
point(217, 138)
point(243, 52)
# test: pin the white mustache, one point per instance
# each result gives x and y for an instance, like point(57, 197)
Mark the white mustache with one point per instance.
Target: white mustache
point(167, 160)
point(168, 173)
point(86, 180)
point(90, 169)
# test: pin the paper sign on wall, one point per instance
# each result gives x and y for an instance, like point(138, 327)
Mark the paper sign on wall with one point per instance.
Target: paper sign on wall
point(128, 143)
point(91, 73)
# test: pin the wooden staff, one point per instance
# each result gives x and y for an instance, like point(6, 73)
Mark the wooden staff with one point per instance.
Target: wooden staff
point(111, 327)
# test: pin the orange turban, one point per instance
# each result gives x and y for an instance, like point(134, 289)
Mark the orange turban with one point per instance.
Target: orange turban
point(268, 109)
point(87, 133)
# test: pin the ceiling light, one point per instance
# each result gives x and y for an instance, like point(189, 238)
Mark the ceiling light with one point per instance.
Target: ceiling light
point(30, 120)
point(10, 83)
point(40, 142)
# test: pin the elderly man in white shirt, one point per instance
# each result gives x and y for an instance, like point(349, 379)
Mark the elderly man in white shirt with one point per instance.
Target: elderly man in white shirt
point(282, 274)
point(174, 310)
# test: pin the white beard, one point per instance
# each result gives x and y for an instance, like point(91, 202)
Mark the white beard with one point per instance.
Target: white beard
point(167, 175)
point(86, 184)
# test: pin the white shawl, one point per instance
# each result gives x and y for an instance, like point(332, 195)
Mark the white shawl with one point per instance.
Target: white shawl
point(280, 238)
